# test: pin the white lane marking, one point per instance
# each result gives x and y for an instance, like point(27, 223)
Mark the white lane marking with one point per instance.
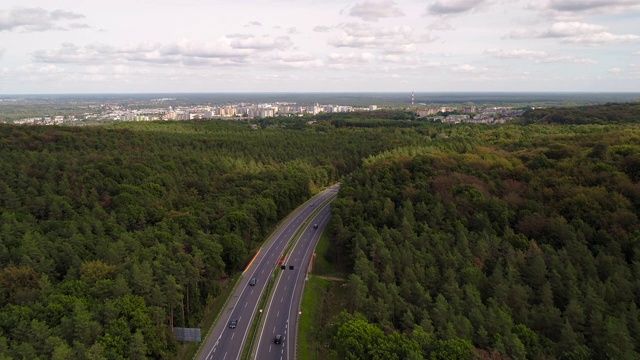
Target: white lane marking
point(278, 314)
point(232, 336)
point(245, 304)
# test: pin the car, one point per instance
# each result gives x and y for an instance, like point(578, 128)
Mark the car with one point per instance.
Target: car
point(278, 339)
point(233, 323)
point(253, 282)
point(312, 204)
point(315, 226)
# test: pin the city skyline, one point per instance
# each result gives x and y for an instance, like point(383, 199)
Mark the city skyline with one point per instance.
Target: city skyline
point(319, 46)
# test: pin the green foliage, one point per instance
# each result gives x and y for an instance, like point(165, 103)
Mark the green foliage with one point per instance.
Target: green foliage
point(511, 242)
point(610, 113)
point(112, 235)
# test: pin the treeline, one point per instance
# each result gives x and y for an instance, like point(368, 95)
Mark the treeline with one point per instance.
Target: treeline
point(382, 114)
point(112, 235)
point(611, 113)
point(520, 244)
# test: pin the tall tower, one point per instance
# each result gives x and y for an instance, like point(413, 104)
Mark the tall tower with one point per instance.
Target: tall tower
point(412, 98)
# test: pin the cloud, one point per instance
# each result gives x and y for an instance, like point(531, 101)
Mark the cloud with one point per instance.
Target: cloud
point(351, 58)
point(2, 51)
point(537, 56)
point(291, 60)
point(575, 32)
point(188, 53)
point(574, 28)
point(233, 50)
point(454, 7)
point(393, 39)
point(292, 30)
point(602, 38)
point(38, 19)
point(588, 5)
point(371, 10)
point(253, 23)
point(322, 29)
point(262, 43)
point(468, 69)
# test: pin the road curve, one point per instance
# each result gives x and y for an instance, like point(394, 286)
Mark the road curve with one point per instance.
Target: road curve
point(225, 343)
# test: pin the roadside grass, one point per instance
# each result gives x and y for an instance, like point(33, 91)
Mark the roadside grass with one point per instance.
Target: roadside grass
point(211, 315)
point(322, 265)
point(309, 336)
point(323, 298)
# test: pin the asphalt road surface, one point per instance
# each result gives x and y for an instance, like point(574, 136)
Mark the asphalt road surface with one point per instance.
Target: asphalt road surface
point(225, 343)
point(283, 310)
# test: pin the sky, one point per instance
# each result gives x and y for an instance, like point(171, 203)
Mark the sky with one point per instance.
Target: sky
point(159, 46)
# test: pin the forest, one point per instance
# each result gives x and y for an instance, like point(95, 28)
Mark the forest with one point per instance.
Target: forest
point(520, 242)
point(609, 113)
point(111, 235)
point(516, 241)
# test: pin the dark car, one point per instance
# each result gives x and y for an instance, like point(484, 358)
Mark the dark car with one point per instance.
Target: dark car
point(315, 226)
point(312, 204)
point(253, 282)
point(278, 339)
point(233, 323)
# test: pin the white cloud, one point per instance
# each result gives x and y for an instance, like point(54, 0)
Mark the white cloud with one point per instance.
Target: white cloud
point(454, 7)
point(468, 69)
point(537, 56)
point(46, 69)
point(2, 51)
point(351, 58)
point(372, 10)
point(393, 39)
point(262, 43)
point(38, 19)
point(186, 52)
point(601, 38)
point(253, 23)
point(575, 32)
point(568, 29)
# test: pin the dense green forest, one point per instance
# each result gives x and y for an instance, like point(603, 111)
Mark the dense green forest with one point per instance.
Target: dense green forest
point(462, 241)
point(594, 114)
point(513, 242)
point(111, 235)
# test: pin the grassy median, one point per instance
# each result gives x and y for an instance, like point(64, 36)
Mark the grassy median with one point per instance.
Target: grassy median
point(323, 297)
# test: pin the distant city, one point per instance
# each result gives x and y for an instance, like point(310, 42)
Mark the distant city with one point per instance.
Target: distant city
point(87, 109)
point(244, 111)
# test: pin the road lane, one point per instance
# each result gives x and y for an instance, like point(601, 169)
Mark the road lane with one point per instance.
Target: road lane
point(222, 342)
point(282, 314)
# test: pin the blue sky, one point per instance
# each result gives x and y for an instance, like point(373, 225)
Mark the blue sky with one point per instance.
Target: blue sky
point(319, 46)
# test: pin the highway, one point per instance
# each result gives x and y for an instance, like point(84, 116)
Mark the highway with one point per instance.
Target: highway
point(282, 313)
point(225, 343)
